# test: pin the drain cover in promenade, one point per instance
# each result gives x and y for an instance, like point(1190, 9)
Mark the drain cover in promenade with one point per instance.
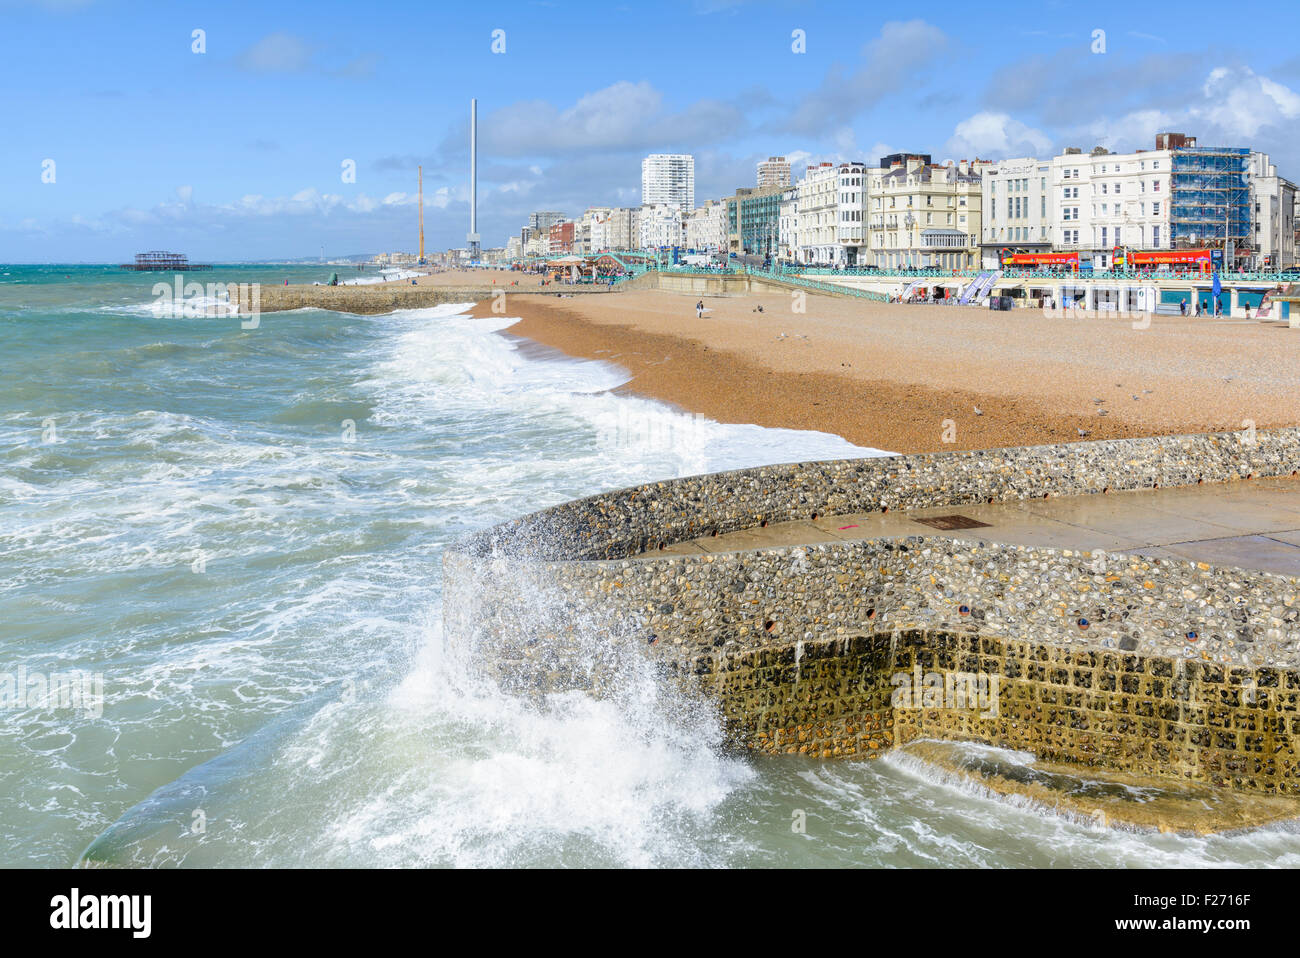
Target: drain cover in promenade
point(952, 522)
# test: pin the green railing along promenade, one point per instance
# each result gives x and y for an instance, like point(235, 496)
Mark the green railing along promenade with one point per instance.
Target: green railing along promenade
point(791, 279)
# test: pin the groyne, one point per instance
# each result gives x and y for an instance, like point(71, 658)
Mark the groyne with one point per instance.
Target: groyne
point(1163, 668)
point(375, 298)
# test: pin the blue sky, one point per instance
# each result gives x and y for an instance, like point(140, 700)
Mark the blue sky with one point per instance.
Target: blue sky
point(237, 152)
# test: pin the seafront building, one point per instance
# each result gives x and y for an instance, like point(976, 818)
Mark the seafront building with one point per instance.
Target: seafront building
point(851, 209)
point(774, 171)
point(1015, 211)
point(788, 227)
point(623, 228)
point(584, 242)
point(544, 219)
point(754, 220)
point(706, 227)
point(1105, 202)
point(598, 230)
point(1077, 210)
point(817, 209)
point(668, 179)
point(924, 215)
point(661, 226)
point(1273, 206)
point(560, 238)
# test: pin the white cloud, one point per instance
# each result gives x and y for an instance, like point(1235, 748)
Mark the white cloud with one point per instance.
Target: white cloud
point(623, 116)
point(990, 135)
point(1240, 102)
point(1134, 130)
point(901, 51)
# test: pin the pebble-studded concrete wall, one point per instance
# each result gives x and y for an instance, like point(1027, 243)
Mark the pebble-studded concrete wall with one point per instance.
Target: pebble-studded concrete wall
point(1142, 664)
point(629, 521)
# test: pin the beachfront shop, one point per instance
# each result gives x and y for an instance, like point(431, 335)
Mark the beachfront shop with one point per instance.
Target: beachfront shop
point(1242, 301)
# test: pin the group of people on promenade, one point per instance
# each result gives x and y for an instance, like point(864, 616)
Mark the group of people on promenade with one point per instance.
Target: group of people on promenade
point(1200, 308)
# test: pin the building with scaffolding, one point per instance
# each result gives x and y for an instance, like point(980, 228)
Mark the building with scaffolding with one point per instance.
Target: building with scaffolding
point(1209, 197)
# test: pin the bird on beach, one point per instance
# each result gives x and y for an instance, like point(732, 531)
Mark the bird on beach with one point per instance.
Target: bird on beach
point(979, 411)
point(1083, 432)
point(1103, 412)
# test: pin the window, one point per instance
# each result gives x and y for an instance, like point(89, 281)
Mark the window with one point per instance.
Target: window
point(1155, 209)
point(1155, 186)
point(1104, 241)
point(1155, 164)
point(1043, 210)
point(1117, 189)
point(1155, 236)
point(1103, 189)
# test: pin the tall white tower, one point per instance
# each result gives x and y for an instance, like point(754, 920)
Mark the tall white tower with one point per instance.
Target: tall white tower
point(668, 178)
point(472, 239)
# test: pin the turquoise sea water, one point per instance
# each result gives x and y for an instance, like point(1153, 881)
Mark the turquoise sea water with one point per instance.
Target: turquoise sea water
point(240, 532)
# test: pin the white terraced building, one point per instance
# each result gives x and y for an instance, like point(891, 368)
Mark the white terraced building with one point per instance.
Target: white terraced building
point(851, 213)
point(1273, 202)
point(817, 207)
point(923, 215)
point(788, 226)
point(1015, 210)
point(706, 227)
point(661, 225)
point(1103, 200)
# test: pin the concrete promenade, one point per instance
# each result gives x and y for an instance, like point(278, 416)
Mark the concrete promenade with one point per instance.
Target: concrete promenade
point(1248, 524)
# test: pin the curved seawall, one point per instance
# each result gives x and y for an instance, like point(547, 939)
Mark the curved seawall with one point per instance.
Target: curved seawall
point(1135, 663)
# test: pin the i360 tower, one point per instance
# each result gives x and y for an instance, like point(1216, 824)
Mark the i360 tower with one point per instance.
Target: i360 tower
point(472, 238)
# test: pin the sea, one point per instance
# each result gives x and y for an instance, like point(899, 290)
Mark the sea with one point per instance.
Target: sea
point(227, 542)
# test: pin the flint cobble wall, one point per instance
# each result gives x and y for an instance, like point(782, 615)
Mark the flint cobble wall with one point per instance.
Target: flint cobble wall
point(1149, 665)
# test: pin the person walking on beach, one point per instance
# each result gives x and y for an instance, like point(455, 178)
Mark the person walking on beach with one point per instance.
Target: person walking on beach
point(699, 309)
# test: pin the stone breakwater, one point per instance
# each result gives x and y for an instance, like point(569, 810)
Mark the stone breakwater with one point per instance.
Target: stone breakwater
point(1149, 665)
point(380, 297)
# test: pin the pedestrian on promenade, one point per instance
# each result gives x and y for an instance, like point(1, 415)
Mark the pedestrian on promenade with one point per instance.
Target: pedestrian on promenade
point(1182, 307)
